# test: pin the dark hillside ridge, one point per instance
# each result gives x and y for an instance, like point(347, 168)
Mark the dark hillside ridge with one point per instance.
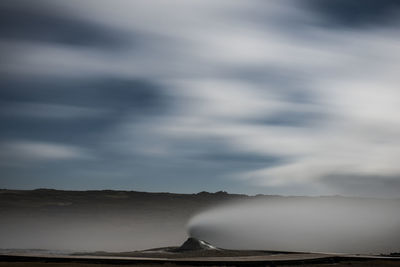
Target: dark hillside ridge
point(41, 200)
point(50, 199)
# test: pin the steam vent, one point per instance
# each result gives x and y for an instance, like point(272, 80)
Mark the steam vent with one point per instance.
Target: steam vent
point(195, 244)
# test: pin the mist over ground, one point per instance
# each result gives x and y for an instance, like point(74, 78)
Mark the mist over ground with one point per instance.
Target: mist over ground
point(118, 221)
point(99, 220)
point(322, 224)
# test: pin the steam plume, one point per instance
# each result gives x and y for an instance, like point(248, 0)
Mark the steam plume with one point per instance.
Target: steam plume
point(341, 225)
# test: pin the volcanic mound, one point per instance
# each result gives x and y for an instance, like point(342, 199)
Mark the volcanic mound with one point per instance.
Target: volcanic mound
point(195, 244)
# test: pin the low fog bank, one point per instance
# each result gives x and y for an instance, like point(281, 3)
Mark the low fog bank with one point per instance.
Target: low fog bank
point(324, 224)
point(98, 220)
point(128, 220)
point(117, 233)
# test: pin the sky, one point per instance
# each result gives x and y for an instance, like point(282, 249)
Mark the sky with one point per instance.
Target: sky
point(290, 97)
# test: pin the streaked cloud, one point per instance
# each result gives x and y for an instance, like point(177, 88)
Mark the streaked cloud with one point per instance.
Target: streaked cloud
point(50, 111)
point(277, 96)
point(27, 151)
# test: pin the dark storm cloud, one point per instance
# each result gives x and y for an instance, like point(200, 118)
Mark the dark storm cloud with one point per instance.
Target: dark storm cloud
point(292, 119)
point(217, 151)
point(84, 106)
point(115, 93)
point(354, 13)
point(245, 158)
point(288, 84)
point(40, 21)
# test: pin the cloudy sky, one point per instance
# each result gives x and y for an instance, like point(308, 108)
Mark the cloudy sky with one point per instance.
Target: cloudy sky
point(285, 97)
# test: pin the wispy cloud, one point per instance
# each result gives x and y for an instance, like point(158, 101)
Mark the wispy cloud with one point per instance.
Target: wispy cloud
point(305, 83)
point(22, 152)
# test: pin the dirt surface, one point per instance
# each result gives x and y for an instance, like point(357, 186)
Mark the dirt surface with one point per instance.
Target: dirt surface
point(303, 259)
point(371, 263)
point(169, 253)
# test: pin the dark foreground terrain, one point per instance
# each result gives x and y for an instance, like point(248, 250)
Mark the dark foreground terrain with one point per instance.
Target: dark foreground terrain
point(195, 252)
point(372, 263)
point(280, 260)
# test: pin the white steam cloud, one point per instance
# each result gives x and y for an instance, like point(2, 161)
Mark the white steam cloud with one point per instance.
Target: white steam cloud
point(338, 225)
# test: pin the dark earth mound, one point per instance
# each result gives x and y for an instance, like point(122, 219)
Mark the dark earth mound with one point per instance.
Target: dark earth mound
point(195, 244)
